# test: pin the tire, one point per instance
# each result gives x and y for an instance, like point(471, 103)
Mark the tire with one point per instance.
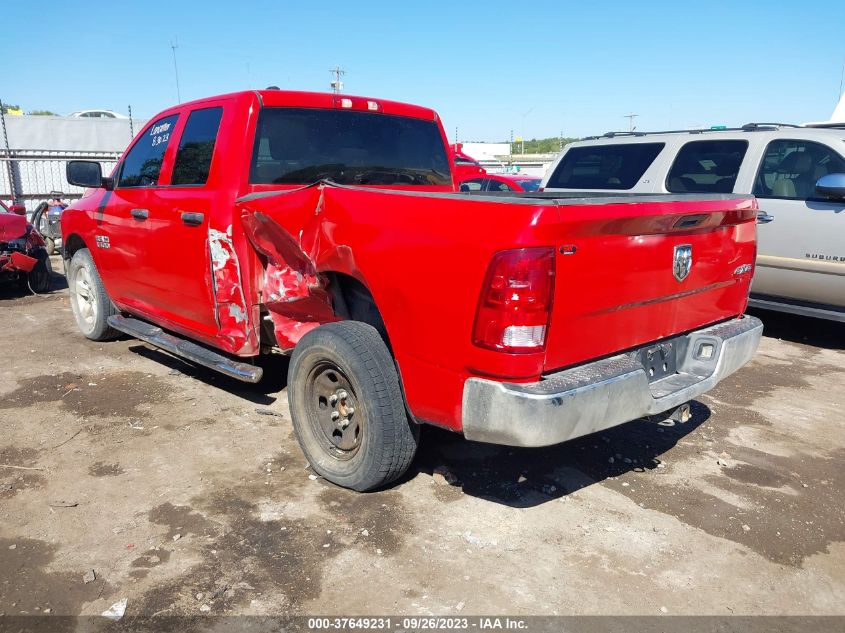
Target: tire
point(40, 278)
point(88, 298)
point(378, 442)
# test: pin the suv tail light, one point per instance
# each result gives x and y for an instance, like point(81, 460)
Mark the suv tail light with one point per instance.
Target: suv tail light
point(516, 301)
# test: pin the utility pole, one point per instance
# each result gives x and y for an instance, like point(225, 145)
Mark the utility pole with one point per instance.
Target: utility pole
point(173, 46)
point(337, 84)
point(511, 147)
point(560, 140)
point(131, 128)
point(631, 117)
point(522, 135)
point(456, 135)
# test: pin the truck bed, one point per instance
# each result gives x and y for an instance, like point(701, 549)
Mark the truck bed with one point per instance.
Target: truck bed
point(424, 255)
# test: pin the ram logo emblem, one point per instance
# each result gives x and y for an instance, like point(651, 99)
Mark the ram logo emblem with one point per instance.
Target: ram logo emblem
point(682, 261)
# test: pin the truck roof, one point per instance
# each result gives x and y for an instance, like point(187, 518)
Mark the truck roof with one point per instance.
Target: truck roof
point(304, 99)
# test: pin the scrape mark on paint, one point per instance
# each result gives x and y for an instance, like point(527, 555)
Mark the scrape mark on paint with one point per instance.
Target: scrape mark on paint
point(294, 292)
point(229, 301)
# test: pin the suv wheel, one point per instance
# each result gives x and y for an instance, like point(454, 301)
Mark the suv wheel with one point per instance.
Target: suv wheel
point(88, 299)
point(347, 408)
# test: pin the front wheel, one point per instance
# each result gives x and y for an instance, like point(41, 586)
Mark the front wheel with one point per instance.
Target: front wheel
point(88, 299)
point(347, 408)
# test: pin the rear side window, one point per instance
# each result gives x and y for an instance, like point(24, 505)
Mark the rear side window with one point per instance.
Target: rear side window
point(472, 185)
point(706, 167)
point(604, 166)
point(302, 145)
point(498, 185)
point(142, 166)
point(193, 160)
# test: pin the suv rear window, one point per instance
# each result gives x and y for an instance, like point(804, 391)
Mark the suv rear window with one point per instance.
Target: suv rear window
point(617, 166)
point(304, 145)
point(706, 167)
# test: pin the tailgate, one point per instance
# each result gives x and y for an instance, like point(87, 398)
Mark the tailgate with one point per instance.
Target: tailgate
point(629, 273)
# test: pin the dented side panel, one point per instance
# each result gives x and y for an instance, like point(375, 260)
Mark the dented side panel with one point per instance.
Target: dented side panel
point(291, 289)
point(230, 306)
point(421, 257)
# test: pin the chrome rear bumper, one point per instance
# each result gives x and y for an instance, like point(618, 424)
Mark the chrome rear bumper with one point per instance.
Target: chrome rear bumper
point(604, 393)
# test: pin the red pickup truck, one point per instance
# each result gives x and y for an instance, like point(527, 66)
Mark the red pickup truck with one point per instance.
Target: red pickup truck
point(327, 227)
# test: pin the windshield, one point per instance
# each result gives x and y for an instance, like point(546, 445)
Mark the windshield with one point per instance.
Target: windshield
point(304, 145)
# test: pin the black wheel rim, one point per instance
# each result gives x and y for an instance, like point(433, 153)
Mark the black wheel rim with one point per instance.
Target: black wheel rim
point(333, 410)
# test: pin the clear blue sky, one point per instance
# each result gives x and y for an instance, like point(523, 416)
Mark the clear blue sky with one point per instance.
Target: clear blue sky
point(538, 68)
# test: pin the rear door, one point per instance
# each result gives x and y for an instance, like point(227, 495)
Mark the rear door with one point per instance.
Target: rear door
point(801, 254)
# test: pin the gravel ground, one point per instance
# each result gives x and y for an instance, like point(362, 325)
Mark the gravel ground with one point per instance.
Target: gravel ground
point(125, 473)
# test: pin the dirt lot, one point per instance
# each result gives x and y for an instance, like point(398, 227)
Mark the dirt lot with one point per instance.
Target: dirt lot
point(186, 493)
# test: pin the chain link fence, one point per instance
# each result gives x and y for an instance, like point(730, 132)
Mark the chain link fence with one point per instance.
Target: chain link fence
point(29, 177)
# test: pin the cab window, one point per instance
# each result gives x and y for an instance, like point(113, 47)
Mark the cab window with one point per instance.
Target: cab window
point(791, 168)
point(142, 166)
point(196, 147)
point(615, 166)
point(304, 145)
point(706, 167)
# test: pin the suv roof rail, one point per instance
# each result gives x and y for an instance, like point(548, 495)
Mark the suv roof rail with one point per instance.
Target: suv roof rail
point(613, 134)
point(760, 126)
point(748, 127)
point(834, 126)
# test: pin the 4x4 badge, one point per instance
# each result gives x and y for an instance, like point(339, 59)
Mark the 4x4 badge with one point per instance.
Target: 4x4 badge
point(682, 261)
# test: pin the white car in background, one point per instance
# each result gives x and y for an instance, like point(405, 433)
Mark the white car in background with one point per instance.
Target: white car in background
point(97, 114)
point(796, 172)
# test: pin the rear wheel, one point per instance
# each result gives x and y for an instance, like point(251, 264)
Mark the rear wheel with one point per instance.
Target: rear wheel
point(88, 299)
point(347, 408)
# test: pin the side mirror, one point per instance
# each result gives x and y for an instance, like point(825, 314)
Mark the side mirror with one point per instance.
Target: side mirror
point(18, 208)
point(86, 173)
point(832, 186)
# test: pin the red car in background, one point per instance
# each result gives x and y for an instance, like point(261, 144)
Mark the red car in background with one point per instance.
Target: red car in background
point(501, 182)
point(465, 166)
point(23, 258)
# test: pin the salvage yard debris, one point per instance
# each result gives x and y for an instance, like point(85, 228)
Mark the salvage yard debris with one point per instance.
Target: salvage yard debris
point(117, 610)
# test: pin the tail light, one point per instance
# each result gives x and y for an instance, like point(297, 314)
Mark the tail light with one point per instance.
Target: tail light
point(516, 301)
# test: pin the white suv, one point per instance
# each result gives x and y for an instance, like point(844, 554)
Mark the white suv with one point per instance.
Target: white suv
point(796, 172)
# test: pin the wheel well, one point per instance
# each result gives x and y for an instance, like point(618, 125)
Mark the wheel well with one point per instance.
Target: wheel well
point(353, 300)
point(74, 243)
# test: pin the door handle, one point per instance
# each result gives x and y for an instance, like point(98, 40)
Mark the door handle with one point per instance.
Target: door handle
point(764, 218)
point(192, 219)
point(140, 214)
